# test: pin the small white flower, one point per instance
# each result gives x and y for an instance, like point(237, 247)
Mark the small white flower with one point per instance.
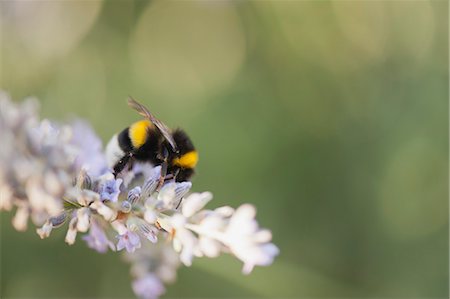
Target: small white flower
point(170, 195)
point(20, 219)
point(151, 182)
point(184, 241)
point(134, 195)
point(150, 216)
point(86, 197)
point(262, 255)
point(72, 231)
point(39, 198)
point(209, 246)
point(195, 202)
point(129, 240)
point(52, 183)
point(149, 232)
point(45, 230)
point(83, 215)
point(146, 230)
point(97, 239)
point(133, 198)
point(107, 213)
point(6, 196)
point(247, 242)
point(225, 211)
point(213, 221)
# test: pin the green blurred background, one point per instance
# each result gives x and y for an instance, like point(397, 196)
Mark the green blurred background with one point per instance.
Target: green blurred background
point(330, 117)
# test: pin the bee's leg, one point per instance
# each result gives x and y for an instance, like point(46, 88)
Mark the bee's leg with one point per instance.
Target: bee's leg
point(164, 166)
point(168, 177)
point(172, 176)
point(162, 176)
point(122, 164)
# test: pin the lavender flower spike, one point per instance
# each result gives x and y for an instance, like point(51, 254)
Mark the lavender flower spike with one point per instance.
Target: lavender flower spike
point(52, 174)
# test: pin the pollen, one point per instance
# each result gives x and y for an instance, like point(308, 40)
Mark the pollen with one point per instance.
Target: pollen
point(138, 132)
point(172, 234)
point(121, 215)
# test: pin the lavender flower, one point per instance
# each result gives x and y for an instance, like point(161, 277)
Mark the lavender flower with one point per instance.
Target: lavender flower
point(46, 229)
point(72, 231)
point(157, 260)
point(56, 173)
point(110, 189)
point(128, 240)
point(37, 162)
point(247, 241)
point(134, 195)
point(90, 155)
point(83, 216)
point(97, 239)
point(169, 198)
point(151, 182)
point(220, 230)
point(148, 287)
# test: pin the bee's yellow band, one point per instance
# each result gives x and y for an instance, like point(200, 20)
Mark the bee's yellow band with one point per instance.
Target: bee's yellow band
point(138, 132)
point(188, 160)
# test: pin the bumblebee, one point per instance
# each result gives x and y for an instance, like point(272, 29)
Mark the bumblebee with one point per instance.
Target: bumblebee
point(150, 140)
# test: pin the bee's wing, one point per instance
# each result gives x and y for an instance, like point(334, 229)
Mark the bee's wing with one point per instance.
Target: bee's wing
point(142, 110)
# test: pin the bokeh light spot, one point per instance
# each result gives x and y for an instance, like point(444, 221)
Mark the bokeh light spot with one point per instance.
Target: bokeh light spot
point(187, 49)
point(49, 29)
